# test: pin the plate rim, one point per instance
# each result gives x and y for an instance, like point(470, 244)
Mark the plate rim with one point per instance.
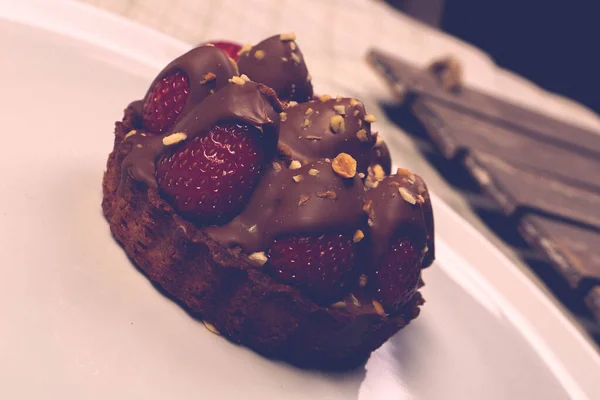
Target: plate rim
point(154, 49)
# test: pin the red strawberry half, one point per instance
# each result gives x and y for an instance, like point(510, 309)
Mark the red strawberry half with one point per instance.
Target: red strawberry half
point(230, 48)
point(209, 179)
point(317, 264)
point(164, 102)
point(396, 279)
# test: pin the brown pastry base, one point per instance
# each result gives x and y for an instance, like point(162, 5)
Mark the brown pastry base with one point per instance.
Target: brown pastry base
point(245, 305)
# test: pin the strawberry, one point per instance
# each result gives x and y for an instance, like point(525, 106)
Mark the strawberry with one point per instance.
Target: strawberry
point(317, 264)
point(230, 48)
point(396, 279)
point(209, 179)
point(165, 101)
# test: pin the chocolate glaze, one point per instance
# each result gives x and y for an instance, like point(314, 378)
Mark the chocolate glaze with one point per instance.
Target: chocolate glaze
point(282, 206)
point(281, 67)
point(390, 214)
point(249, 103)
point(428, 216)
point(306, 131)
point(196, 64)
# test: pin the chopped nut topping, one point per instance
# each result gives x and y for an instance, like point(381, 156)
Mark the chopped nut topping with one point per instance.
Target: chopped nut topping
point(362, 281)
point(313, 172)
point(330, 194)
point(276, 166)
point(340, 109)
point(287, 36)
point(292, 103)
point(245, 49)
point(370, 118)
point(284, 59)
point(344, 165)
point(338, 98)
point(353, 102)
point(361, 175)
point(327, 160)
point(237, 80)
point(339, 304)
point(358, 236)
point(252, 229)
point(312, 137)
point(139, 145)
point(174, 138)
point(308, 111)
point(324, 97)
point(371, 222)
point(208, 77)
point(245, 77)
point(362, 135)
point(378, 308)
point(355, 113)
point(420, 199)
point(378, 141)
point(306, 123)
point(293, 45)
point(337, 124)
point(298, 178)
point(130, 133)
point(367, 206)
point(296, 58)
point(378, 172)
point(259, 54)
point(259, 258)
point(211, 327)
point(295, 164)
point(283, 116)
point(407, 196)
point(407, 173)
point(303, 200)
point(355, 300)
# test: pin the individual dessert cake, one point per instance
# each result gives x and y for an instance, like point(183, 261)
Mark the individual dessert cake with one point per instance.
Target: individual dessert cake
point(266, 211)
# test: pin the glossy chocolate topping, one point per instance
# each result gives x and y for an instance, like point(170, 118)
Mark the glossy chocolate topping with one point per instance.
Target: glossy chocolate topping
point(309, 200)
point(207, 68)
point(323, 129)
point(428, 216)
point(248, 103)
point(394, 207)
point(279, 64)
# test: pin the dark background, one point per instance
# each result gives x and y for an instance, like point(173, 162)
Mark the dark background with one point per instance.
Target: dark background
point(552, 43)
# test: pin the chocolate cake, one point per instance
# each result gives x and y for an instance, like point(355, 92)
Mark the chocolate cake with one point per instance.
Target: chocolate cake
point(267, 212)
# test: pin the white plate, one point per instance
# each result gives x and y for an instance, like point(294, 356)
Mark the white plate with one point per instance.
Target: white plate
point(78, 321)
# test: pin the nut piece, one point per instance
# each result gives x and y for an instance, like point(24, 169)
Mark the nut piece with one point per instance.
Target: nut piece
point(340, 109)
point(245, 49)
point(344, 165)
point(407, 196)
point(252, 229)
point(312, 137)
point(358, 236)
point(330, 194)
point(259, 258)
point(296, 58)
point(361, 175)
point(339, 304)
point(292, 103)
point(379, 308)
point(303, 200)
point(276, 166)
point(362, 135)
point(367, 206)
point(174, 138)
point(245, 77)
point(337, 124)
point(259, 54)
point(362, 281)
point(306, 123)
point(308, 111)
point(355, 300)
point(293, 46)
point(130, 133)
point(208, 77)
point(313, 172)
point(353, 102)
point(298, 178)
point(211, 327)
point(283, 116)
point(378, 172)
point(295, 164)
point(324, 97)
point(287, 36)
point(370, 118)
point(237, 80)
